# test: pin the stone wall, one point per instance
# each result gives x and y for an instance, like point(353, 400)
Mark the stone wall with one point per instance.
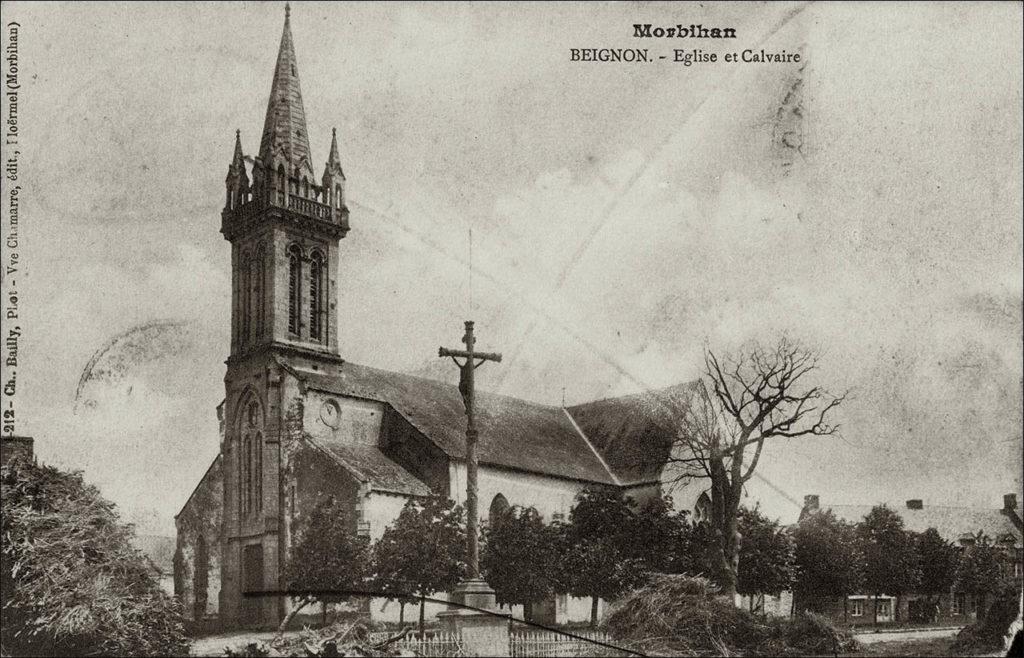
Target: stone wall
point(197, 558)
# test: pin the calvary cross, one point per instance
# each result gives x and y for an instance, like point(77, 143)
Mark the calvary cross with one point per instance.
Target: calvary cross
point(471, 361)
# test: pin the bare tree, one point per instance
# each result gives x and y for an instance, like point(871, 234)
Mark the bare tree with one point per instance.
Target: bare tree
point(741, 402)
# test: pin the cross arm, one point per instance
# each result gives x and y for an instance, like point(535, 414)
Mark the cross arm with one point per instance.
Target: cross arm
point(483, 356)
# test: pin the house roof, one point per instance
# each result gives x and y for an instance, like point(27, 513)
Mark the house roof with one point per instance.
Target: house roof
point(634, 433)
point(514, 433)
point(371, 466)
point(951, 522)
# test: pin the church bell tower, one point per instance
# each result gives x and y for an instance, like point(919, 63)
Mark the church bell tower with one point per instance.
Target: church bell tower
point(284, 227)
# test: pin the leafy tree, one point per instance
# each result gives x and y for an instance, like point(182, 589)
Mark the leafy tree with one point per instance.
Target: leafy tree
point(766, 555)
point(424, 551)
point(389, 573)
point(327, 556)
point(980, 572)
point(828, 560)
point(667, 541)
point(520, 557)
point(890, 557)
point(760, 395)
point(71, 583)
point(600, 553)
point(937, 562)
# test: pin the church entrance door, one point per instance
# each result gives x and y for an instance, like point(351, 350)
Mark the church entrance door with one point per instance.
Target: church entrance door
point(252, 581)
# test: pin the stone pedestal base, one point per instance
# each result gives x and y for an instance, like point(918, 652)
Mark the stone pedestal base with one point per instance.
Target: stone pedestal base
point(482, 634)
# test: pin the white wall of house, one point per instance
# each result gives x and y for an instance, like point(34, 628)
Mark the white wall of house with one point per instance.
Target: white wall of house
point(549, 495)
point(389, 611)
point(568, 609)
point(774, 606)
point(571, 609)
point(380, 509)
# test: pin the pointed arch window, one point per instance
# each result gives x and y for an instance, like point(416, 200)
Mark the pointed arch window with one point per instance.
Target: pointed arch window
point(246, 473)
point(337, 196)
point(316, 296)
point(499, 506)
point(258, 470)
point(280, 185)
point(258, 267)
point(246, 309)
point(250, 458)
point(294, 291)
point(254, 290)
point(305, 188)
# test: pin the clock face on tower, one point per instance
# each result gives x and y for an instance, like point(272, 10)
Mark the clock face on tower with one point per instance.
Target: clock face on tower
point(330, 414)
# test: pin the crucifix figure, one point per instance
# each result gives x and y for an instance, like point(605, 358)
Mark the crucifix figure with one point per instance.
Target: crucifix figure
point(471, 361)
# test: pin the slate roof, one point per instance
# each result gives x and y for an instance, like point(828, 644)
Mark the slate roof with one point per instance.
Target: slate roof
point(634, 433)
point(371, 466)
point(514, 433)
point(284, 127)
point(951, 522)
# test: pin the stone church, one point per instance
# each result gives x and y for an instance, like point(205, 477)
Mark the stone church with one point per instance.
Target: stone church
point(299, 422)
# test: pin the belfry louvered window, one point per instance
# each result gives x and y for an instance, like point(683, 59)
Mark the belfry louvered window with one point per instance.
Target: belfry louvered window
point(316, 291)
point(294, 288)
point(259, 271)
point(246, 310)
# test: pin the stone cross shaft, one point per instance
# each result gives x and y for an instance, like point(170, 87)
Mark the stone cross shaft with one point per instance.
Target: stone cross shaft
point(471, 361)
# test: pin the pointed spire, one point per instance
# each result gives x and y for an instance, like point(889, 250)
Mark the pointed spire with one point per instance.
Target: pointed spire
point(284, 129)
point(334, 160)
point(238, 160)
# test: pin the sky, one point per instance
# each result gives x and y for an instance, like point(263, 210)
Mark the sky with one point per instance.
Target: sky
point(865, 201)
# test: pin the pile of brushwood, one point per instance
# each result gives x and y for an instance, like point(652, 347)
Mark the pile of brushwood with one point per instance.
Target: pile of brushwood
point(71, 583)
point(679, 615)
point(338, 639)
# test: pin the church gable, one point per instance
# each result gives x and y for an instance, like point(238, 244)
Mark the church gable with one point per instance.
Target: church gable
point(348, 430)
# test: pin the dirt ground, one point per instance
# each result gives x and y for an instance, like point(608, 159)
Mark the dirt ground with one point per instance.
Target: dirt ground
point(934, 646)
point(213, 645)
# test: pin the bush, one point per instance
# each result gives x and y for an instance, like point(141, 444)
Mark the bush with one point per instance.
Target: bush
point(806, 634)
point(989, 633)
point(683, 616)
point(71, 582)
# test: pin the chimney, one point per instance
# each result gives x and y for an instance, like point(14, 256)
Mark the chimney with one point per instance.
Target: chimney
point(1010, 511)
point(915, 503)
point(14, 447)
point(811, 502)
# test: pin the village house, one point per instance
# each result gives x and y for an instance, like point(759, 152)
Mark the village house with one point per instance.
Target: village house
point(299, 422)
point(957, 525)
